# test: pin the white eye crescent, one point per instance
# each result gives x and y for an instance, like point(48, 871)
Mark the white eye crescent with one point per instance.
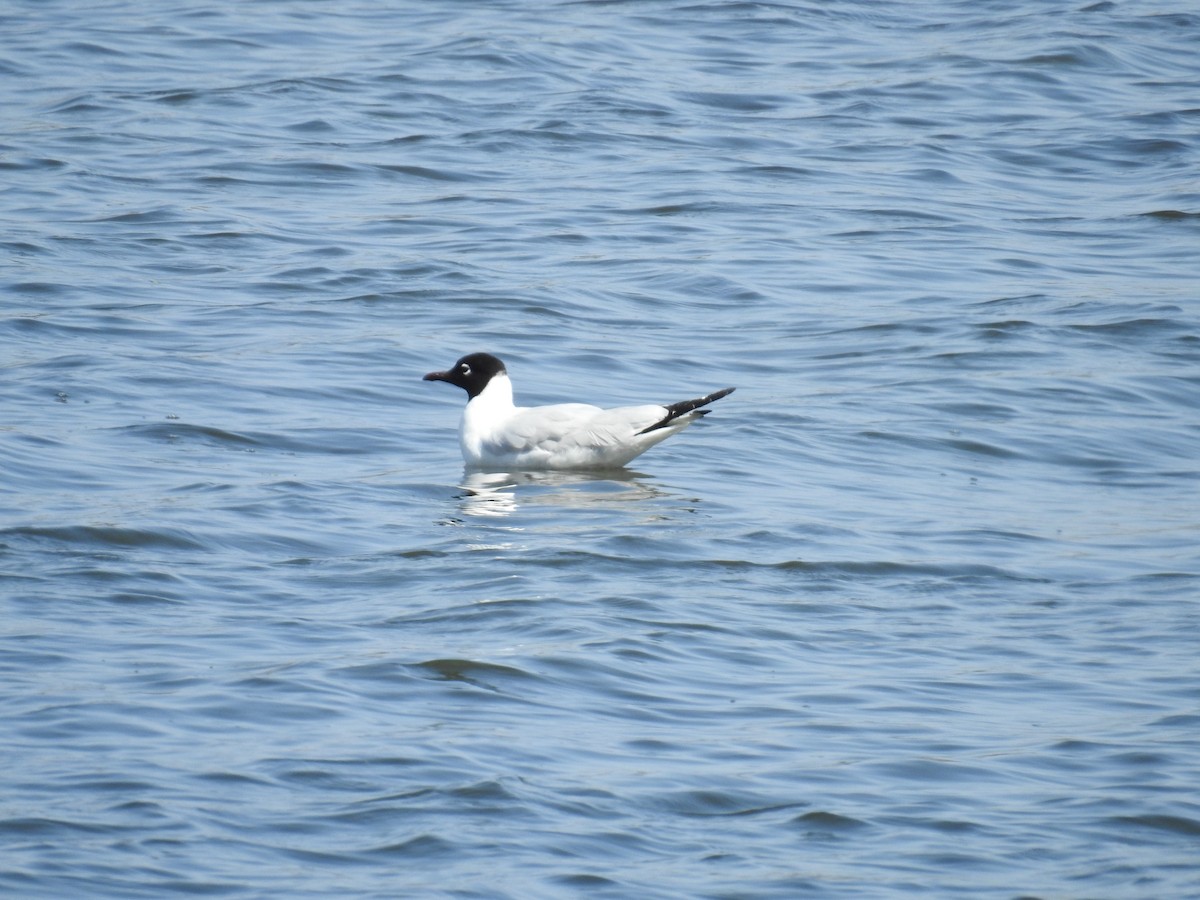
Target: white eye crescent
point(465, 369)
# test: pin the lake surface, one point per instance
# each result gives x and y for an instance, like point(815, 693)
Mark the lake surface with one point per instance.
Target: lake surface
point(914, 613)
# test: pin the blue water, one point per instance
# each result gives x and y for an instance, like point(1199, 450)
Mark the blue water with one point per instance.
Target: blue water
point(914, 613)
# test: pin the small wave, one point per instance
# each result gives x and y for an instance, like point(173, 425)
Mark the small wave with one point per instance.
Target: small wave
point(1132, 327)
point(1170, 215)
point(585, 881)
point(737, 102)
point(174, 432)
point(828, 821)
point(37, 826)
point(975, 447)
point(1175, 824)
point(423, 847)
point(838, 569)
point(428, 174)
point(108, 536)
point(719, 803)
point(469, 670)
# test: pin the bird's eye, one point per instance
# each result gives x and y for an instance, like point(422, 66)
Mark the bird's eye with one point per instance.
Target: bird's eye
point(465, 369)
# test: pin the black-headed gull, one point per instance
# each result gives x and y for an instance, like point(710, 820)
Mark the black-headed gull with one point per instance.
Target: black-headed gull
point(495, 434)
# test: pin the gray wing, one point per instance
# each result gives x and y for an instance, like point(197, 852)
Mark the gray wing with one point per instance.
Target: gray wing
point(613, 427)
point(576, 426)
point(543, 427)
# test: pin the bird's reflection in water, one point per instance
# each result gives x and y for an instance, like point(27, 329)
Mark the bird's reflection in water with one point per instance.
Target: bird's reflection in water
point(502, 493)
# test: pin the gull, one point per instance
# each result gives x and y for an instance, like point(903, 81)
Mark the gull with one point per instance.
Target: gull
point(495, 434)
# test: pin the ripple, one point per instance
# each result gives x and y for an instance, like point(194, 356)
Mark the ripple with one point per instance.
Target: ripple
point(1171, 215)
point(737, 101)
point(176, 432)
point(824, 821)
point(471, 671)
point(107, 536)
point(1180, 825)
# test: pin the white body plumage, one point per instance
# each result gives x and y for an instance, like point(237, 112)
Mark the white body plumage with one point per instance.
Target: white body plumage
point(496, 434)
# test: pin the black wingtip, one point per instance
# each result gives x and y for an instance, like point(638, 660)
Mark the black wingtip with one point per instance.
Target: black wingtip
point(675, 410)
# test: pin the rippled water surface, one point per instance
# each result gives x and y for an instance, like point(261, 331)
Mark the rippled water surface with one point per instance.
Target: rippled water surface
point(914, 613)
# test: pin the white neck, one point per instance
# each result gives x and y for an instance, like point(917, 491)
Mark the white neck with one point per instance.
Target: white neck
point(497, 396)
point(485, 412)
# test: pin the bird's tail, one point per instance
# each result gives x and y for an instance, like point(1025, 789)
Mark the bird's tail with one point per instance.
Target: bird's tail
point(675, 410)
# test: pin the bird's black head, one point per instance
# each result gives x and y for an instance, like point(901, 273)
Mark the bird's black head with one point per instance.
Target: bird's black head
point(471, 373)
